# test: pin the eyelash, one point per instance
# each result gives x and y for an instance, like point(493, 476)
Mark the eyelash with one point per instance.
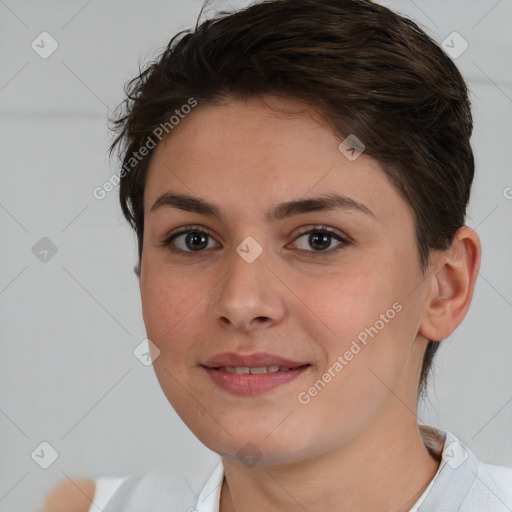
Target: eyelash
point(167, 242)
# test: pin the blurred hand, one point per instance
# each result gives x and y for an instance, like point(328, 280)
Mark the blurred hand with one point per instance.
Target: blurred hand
point(70, 496)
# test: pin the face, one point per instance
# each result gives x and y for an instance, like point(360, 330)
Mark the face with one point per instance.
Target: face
point(334, 290)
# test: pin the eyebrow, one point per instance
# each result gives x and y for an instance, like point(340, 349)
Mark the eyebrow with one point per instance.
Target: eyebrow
point(281, 211)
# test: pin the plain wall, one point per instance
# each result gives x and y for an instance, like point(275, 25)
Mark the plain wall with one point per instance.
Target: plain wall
point(69, 325)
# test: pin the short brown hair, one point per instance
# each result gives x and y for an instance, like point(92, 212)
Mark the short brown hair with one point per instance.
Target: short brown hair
point(367, 70)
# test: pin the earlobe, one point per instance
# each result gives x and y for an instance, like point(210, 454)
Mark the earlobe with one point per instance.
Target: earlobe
point(452, 286)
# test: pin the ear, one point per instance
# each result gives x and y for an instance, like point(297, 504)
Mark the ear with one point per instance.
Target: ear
point(451, 285)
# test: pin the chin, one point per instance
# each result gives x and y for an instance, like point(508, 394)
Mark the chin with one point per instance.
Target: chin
point(251, 447)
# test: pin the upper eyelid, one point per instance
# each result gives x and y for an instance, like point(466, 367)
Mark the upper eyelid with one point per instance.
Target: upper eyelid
point(312, 227)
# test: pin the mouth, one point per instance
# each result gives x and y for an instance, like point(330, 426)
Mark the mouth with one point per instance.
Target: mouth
point(252, 374)
point(258, 370)
point(262, 362)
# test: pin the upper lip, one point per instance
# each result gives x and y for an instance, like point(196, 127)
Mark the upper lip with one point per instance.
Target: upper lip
point(257, 360)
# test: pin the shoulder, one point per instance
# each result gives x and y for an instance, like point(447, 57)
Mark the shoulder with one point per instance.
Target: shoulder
point(492, 485)
point(153, 489)
point(163, 486)
point(465, 483)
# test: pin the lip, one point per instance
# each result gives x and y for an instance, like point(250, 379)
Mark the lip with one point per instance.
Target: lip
point(252, 384)
point(250, 360)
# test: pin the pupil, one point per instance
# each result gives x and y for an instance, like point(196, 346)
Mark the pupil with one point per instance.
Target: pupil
point(193, 237)
point(319, 238)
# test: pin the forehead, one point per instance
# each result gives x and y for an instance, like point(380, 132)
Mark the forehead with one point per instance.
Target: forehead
point(245, 154)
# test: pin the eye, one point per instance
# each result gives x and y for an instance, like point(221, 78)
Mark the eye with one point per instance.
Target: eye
point(196, 240)
point(320, 239)
point(191, 239)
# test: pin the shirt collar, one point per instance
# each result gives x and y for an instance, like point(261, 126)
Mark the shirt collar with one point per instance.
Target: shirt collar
point(209, 499)
point(453, 479)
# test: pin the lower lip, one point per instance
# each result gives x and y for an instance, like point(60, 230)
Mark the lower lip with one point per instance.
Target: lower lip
point(250, 385)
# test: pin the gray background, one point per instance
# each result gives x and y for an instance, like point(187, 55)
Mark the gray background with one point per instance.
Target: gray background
point(69, 325)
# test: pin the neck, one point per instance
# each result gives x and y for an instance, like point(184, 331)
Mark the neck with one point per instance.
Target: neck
point(382, 470)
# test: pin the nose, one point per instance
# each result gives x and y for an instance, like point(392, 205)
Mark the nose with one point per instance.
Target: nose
point(250, 295)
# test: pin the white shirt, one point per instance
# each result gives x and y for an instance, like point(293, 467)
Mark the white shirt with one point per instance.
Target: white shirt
point(462, 483)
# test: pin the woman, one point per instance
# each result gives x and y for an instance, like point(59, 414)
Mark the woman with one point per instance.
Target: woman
point(297, 174)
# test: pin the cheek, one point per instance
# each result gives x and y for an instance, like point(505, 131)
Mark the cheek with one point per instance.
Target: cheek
point(171, 308)
point(359, 316)
point(346, 301)
point(171, 305)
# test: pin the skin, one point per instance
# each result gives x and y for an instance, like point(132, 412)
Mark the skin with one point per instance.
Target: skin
point(356, 445)
point(74, 495)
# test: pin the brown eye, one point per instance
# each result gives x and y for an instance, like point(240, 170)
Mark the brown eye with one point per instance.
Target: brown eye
point(320, 240)
point(188, 240)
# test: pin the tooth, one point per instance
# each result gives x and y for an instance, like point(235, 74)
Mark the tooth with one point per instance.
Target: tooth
point(262, 369)
point(245, 370)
